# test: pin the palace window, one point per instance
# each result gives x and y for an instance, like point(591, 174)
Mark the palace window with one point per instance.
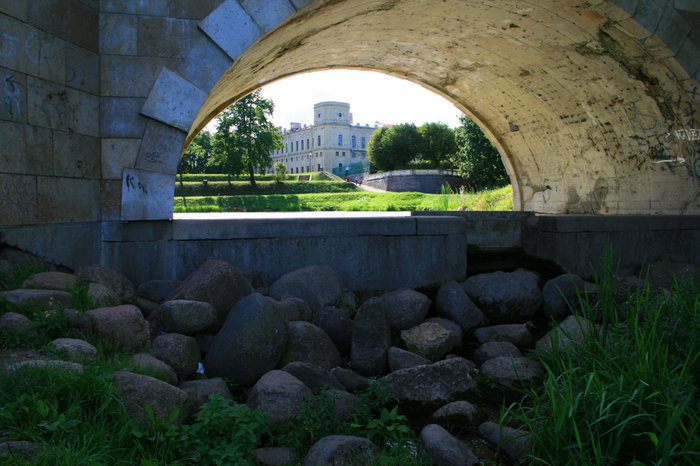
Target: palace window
point(340, 139)
point(319, 140)
point(362, 141)
point(354, 141)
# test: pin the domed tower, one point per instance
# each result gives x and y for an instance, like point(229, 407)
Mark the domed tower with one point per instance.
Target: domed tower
point(332, 112)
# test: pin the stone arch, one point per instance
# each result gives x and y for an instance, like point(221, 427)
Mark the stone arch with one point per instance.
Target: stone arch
point(593, 112)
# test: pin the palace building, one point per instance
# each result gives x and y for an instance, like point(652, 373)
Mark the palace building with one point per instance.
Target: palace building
point(333, 141)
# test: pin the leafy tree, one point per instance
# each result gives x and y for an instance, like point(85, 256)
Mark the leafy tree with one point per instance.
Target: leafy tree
point(438, 142)
point(477, 159)
point(280, 172)
point(196, 157)
point(245, 137)
point(391, 148)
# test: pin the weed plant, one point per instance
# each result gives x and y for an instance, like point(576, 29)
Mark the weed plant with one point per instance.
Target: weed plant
point(242, 188)
point(628, 393)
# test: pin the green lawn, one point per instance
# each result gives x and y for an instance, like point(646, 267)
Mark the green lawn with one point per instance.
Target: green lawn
point(499, 199)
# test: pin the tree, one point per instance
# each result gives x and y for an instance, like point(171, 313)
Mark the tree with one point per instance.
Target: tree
point(438, 142)
point(196, 157)
point(280, 172)
point(391, 148)
point(477, 159)
point(245, 137)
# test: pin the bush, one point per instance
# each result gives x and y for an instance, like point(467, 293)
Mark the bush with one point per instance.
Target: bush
point(221, 188)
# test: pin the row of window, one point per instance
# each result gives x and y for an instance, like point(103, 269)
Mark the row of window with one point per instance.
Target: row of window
point(295, 146)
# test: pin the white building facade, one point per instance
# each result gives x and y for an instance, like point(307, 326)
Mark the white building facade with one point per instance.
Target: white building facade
point(332, 141)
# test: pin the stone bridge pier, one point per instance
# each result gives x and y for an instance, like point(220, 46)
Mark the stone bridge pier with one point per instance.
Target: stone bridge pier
point(592, 104)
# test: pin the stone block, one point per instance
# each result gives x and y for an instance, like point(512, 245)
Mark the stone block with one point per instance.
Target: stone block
point(67, 199)
point(55, 106)
point(192, 10)
point(147, 195)
point(205, 62)
point(300, 3)
point(120, 118)
point(130, 76)
point(118, 154)
point(12, 155)
point(13, 96)
point(111, 197)
point(39, 151)
point(76, 156)
point(231, 28)
point(52, 58)
point(16, 49)
point(173, 100)
point(673, 29)
point(688, 56)
point(268, 14)
point(73, 21)
point(31, 150)
point(16, 8)
point(82, 69)
point(164, 37)
point(118, 34)
point(141, 7)
point(161, 147)
point(18, 194)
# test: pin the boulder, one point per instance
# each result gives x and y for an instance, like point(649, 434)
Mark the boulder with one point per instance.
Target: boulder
point(401, 359)
point(506, 297)
point(445, 449)
point(45, 299)
point(309, 343)
point(78, 320)
point(406, 308)
point(453, 303)
point(123, 325)
point(434, 385)
point(318, 285)
point(157, 290)
point(178, 351)
point(275, 456)
point(147, 307)
point(13, 322)
point(279, 394)
point(341, 450)
point(103, 295)
point(19, 449)
point(458, 413)
point(188, 317)
point(215, 282)
point(49, 363)
point(292, 308)
point(204, 341)
point(337, 323)
point(433, 339)
point(51, 281)
point(344, 403)
point(315, 377)
point(118, 283)
point(351, 380)
point(199, 391)
point(515, 443)
point(567, 334)
point(140, 390)
point(494, 349)
point(561, 294)
point(510, 372)
point(371, 338)
point(144, 362)
point(75, 349)
point(518, 334)
point(250, 343)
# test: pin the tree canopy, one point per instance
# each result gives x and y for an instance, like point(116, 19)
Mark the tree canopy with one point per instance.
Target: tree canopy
point(392, 148)
point(438, 142)
point(478, 159)
point(245, 136)
point(196, 157)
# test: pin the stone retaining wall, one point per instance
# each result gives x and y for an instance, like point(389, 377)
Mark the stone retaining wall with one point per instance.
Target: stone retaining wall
point(422, 181)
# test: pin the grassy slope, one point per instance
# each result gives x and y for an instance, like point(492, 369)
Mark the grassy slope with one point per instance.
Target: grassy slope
point(499, 199)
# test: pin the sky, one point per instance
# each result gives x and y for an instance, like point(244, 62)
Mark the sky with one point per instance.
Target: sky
point(373, 97)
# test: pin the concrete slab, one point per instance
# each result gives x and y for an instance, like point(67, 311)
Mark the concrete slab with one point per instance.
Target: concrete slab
point(16, 8)
point(120, 118)
point(82, 69)
point(63, 200)
point(54, 106)
point(118, 34)
point(173, 100)
point(140, 7)
point(76, 156)
point(231, 28)
point(18, 193)
point(270, 13)
point(73, 21)
point(161, 147)
point(147, 195)
point(130, 76)
point(164, 37)
point(205, 62)
point(118, 154)
point(111, 199)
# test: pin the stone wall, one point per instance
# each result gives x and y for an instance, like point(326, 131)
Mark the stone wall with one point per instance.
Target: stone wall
point(422, 181)
point(50, 166)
